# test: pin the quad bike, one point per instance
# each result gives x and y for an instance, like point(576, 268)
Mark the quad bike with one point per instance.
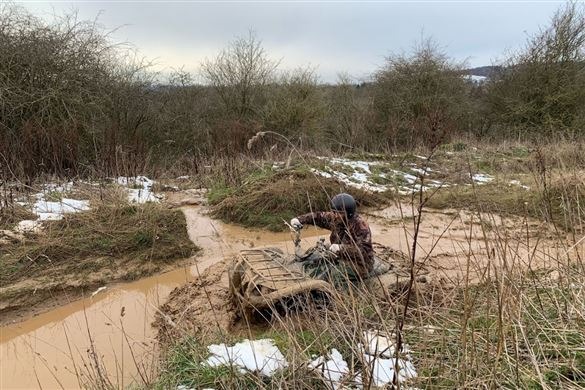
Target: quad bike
point(267, 279)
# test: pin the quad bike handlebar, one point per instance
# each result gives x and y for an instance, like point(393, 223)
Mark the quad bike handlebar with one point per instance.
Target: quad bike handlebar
point(320, 247)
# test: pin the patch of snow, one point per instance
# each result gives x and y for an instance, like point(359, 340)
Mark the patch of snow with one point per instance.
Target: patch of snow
point(378, 345)
point(324, 174)
point(383, 369)
point(143, 193)
point(379, 355)
point(61, 188)
point(99, 290)
point(411, 179)
point(421, 171)
point(355, 164)
point(356, 180)
point(361, 177)
point(517, 183)
point(333, 369)
point(186, 177)
point(28, 226)
point(481, 178)
point(52, 211)
point(255, 356)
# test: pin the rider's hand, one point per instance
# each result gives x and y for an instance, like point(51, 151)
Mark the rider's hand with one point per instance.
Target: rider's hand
point(296, 224)
point(335, 248)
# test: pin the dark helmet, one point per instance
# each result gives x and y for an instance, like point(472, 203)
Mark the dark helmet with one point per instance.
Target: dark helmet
point(344, 202)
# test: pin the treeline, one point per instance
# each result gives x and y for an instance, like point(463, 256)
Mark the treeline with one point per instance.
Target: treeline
point(74, 103)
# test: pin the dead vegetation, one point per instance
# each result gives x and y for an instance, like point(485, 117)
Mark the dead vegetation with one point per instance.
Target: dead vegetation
point(109, 243)
point(268, 198)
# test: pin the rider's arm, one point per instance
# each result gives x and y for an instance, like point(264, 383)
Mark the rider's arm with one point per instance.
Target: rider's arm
point(361, 247)
point(322, 219)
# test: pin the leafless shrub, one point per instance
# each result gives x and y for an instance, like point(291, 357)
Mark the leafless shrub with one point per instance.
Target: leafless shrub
point(295, 106)
point(68, 95)
point(420, 98)
point(350, 117)
point(239, 75)
point(541, 89)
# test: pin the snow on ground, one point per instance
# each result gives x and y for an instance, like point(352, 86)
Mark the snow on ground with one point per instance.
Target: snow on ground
point(256, 356)
point(263, 357)
point(481, 178)
point(27, 226)
point(54, 210)
point(51, 204)
point(332, 369)
point(383, 369)
point(139, 189)
point(356, 180)
point(519, 184)
point(362, 176)
point(379, 356)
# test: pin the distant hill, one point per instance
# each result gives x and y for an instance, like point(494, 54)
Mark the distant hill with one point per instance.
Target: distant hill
point(484, 71)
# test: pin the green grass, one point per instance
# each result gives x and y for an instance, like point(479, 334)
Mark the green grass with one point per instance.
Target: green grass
point(267, 198)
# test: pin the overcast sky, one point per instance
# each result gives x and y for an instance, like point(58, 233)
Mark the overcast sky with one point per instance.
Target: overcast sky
point(352, 37)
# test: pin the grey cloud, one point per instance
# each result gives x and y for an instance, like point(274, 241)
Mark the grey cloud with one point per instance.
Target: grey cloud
point(352, 37)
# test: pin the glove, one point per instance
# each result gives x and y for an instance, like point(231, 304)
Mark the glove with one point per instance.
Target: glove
point(296, 224)
point(335, 248)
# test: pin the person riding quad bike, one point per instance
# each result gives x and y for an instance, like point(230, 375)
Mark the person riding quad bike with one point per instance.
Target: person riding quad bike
point(352, 253)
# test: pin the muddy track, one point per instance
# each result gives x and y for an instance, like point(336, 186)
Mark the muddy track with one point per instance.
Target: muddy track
point(453, 246)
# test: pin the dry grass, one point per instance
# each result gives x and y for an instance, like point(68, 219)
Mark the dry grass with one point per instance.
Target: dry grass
point(514, 326)
point(12, 214)
point(266, 198)
point(113, 241)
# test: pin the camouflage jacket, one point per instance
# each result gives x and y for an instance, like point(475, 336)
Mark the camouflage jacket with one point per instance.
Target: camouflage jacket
point(354, 237)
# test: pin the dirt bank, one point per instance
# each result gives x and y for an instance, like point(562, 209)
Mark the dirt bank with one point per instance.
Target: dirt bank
point(201, 307)
point(72, 257)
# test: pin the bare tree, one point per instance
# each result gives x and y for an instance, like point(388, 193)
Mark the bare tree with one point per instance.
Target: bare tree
point(240, 74)
point(295, 106)
point(420, 98)
point(541, 89)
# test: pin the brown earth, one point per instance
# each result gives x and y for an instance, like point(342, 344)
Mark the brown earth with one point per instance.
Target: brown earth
point(201, 307)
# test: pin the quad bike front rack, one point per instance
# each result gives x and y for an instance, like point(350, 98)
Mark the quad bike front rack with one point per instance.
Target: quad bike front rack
point(259, 279)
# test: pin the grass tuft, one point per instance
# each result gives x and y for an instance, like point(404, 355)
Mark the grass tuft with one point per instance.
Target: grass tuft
point(266, 198)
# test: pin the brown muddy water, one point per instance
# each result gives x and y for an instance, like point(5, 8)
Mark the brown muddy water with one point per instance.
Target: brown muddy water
point(59, 348)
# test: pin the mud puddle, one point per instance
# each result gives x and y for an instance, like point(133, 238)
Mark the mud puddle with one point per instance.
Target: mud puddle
point(111, 332)
point(454, 248)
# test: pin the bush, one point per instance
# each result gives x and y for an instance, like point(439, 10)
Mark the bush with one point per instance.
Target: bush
point(541, 89)
point(420, 99)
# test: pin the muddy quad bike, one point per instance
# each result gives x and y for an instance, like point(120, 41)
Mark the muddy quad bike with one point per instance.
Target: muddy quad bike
point(265, 280)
